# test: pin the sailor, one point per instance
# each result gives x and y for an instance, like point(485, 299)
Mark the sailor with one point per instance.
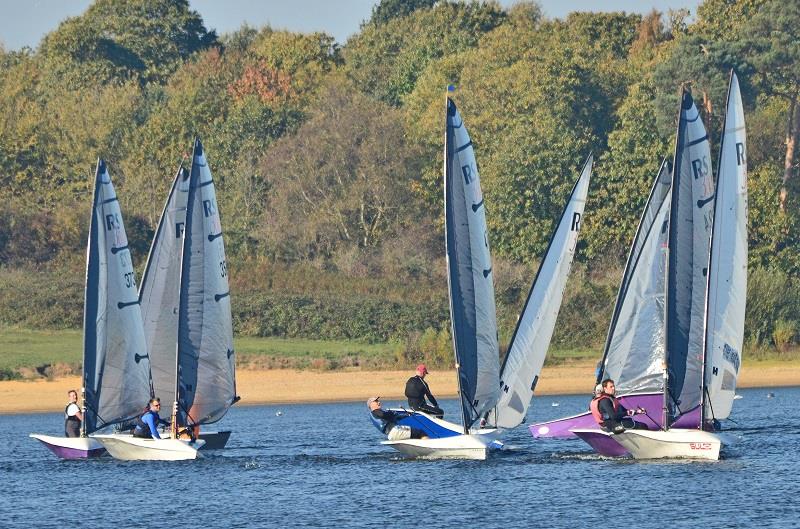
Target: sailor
point(72, 415)
point(389, 419)
point(608, 412)
point(416, 392)
point(147, 424)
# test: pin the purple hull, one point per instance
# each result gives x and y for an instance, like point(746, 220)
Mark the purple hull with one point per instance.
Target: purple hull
point(652, 403)
point(603, 443)
point(65, 452)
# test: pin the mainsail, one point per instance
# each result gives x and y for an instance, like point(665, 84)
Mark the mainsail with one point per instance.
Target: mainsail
point(205, 360)
point(470, 281)
point(691, 211)
point(531, 338)
point(727, 280)
point(634, 348)
point(116, 370)
point(160, 289)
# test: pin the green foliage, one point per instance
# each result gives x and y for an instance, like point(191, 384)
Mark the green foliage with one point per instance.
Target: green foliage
point(386, 10)
point(385, 60)
point(771, 299)
point(784, 334)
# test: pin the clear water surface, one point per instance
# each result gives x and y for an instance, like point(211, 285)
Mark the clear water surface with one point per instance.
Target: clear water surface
point(321, 465)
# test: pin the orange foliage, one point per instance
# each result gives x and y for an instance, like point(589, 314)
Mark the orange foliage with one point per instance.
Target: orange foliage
point(269, 84)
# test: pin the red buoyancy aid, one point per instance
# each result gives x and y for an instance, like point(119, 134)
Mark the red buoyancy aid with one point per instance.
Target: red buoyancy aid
point(594, 407)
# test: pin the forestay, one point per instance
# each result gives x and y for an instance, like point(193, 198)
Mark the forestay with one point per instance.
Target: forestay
point(470, 279)
point(116, 369)
point(691, 211)
point(727, 287)
point(531, 338)
point(634, 350)
point(206, 387)
point(160, 289)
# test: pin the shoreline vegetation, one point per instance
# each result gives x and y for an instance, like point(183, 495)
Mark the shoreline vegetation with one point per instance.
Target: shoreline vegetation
point(291, 386)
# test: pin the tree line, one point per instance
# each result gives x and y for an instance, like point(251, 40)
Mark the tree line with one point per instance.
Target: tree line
point(328, 155)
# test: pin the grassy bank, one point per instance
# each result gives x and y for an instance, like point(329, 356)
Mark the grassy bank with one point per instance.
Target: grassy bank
point(28, 353)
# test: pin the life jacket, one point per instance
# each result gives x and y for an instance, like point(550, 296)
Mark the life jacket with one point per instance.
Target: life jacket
point(67, 416)
point(142, 429)
point(594, 407)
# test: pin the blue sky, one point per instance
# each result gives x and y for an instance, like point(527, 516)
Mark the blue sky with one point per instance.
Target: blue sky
point(25, 22)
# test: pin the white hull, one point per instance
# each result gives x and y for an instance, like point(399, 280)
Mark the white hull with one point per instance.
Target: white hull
point(456, 447)
point(130, 448)
point(675, 443)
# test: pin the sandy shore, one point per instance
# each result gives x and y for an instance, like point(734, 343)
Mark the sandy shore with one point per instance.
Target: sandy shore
point(289, 386)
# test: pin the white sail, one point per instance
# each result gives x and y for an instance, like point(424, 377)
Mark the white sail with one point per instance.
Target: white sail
point(635, 345)
point(116, 368)
point(470, 278)
point(534, 330)
point(727, 282)
point(205, 333)
point(160, 290)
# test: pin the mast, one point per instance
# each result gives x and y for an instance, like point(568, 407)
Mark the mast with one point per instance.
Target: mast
point(90, 303)
point(447, 183)
point(185, 256)
point(668, 299)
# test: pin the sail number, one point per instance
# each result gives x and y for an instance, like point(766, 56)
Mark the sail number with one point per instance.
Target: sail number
point(129, 280)
point(700, 446)
point(223, 268)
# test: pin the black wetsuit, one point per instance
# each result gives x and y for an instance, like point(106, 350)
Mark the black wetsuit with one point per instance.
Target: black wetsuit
point(611, 418)
point(416, 391)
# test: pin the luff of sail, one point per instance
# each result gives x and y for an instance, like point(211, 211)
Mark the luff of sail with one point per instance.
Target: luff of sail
point(206, 383)
point(634, 350)
point(691, 211)
point(159, 292)
point(727, 280)
point(116, 369)
point(470, 278)
point(531, 338)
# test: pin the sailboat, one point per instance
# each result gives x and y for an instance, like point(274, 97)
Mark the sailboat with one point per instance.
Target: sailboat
point(696, 373)
point(473, 322)
point(186, 306)
point(116, 369)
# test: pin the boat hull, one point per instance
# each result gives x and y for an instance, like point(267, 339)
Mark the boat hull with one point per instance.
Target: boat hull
point(604, 443)
point(129, 448)
point(673, 444)
point(71, 447)
point(214, 440)
point(652, 402)
point(455, 447)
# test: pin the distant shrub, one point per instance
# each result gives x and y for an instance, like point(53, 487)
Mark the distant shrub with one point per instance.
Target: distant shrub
point(783, 334)
point(771, 298)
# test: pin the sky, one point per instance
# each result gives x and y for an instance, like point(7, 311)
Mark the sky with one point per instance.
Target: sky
point(25, 22)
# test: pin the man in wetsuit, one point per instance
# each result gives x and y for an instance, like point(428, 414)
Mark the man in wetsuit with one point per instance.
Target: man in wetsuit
point(416, 392)
point(389, 420)
point(72, 416)
point(147, 424)
point(608, 412)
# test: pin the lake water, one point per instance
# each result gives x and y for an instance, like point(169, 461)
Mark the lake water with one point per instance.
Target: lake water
point(321, 465)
